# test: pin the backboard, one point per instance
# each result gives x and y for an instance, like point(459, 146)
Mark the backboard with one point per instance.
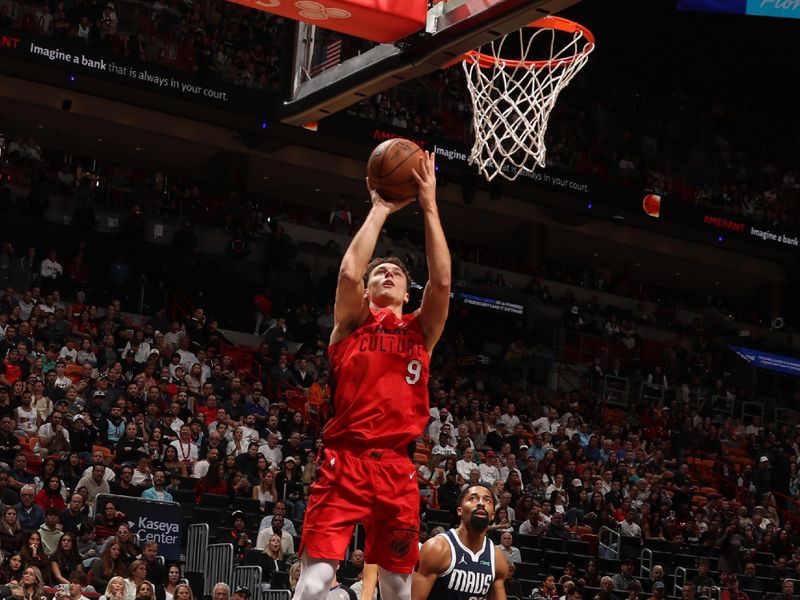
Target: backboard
point(332, 71)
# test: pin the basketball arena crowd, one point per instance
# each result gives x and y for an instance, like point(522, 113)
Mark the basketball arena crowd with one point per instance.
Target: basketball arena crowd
point(663, 495)
point(96, 400)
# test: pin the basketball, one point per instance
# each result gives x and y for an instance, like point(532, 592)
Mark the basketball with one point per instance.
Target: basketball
point(389, 169)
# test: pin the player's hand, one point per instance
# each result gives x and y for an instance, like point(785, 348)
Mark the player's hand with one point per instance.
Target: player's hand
point(378, 201)
point(425, 174)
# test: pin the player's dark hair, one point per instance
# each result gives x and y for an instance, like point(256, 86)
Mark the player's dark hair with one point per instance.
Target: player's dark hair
point(387, 259)
point(463, 493)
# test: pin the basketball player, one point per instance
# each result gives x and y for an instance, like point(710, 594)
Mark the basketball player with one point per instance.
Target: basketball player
point(463, 564)
point(379, 359)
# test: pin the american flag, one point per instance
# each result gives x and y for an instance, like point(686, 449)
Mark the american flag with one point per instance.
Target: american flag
point(329, 57)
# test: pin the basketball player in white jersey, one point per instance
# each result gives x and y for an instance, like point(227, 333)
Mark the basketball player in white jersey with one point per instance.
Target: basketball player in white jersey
point(463, 564)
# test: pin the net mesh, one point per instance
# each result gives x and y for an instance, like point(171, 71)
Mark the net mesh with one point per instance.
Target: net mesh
point(512, 99)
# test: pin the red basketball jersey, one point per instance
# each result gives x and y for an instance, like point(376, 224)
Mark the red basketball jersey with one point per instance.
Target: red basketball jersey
point(381, 384)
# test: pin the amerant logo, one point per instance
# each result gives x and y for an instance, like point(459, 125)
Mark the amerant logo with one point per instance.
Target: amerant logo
point(309, 9)
point(318, 12)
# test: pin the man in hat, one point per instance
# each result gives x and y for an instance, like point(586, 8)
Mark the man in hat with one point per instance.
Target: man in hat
point(241, 593)
point(659, 590)
point(625, 576)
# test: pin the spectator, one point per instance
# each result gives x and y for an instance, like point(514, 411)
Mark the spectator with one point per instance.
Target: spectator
point(511, 553)
point(625, 576)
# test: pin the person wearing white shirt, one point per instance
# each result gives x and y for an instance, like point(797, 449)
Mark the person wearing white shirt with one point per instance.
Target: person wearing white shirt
point(489, 471)
point(629, 527)
point(550, 423)
point(555, 486)
point(187, 357)
point(68, 353)
point(531, 525)
point(187, 451)
point(201, 466)
point(50, 267)
point(511, 553)
point(436, 426)
point(271, 451)
point(509, 417)
point(466, 464)
point(443, 450)
point(505, 502)
point(248, 429)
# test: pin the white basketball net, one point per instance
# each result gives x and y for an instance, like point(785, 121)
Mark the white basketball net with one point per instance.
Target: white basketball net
point(511, 103)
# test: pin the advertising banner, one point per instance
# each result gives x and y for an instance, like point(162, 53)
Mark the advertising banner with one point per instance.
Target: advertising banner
point(151, 520)
point(766, 360)
point(78, 59)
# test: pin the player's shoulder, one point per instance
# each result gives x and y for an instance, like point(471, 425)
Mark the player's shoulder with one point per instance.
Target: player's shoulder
point(436, 551)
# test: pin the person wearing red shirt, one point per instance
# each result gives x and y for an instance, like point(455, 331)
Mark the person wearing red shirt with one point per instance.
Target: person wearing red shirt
point(379, 361)
point(212, 483)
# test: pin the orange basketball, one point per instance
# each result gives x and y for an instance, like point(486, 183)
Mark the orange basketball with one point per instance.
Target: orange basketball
point(652, 205)
point(389, 169)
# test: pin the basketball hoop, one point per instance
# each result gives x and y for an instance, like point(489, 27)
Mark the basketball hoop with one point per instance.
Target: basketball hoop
point(512, 98)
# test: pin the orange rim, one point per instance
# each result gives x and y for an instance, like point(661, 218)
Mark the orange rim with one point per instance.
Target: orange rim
point(486, 61)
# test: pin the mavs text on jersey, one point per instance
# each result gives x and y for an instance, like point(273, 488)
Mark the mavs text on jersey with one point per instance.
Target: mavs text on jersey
point(470, 575)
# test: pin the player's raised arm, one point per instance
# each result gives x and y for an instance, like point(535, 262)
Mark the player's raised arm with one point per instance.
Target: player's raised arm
point(498, 589)
point(436, 297)
point(351, 305)
point(434, 559)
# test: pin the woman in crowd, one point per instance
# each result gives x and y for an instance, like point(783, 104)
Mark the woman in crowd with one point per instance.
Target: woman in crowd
point(127, 543)
point(146, 591)
point(49, 468)
point(11, 533)
point(523, 508)
point(115, 589)
point(194, 378)
point(71, 471)
point(183, 592)
point(262, 466)
point(501, 521)
point(239, 444)
point(172, 464)
point(107, 522)
point(309, 469)
point(294, 576)
point(34, 556)
point(592, 574)
point(109, 566)
point(274, 552)
point(12, 568)
point(212, 483)
point(138, 575)
point(86, 355)
point(51, 495)
point(291, 488)
point(167, 591)
point(65, 559)
point(32, 584)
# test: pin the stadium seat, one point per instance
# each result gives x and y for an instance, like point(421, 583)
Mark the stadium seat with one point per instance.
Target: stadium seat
point(216, 500)
point(527, 571)
point(181, 495)
point(247, 505)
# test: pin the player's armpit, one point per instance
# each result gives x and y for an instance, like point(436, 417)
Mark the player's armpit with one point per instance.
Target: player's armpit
point(498, 589)
point(434, 559)
point(350, 307)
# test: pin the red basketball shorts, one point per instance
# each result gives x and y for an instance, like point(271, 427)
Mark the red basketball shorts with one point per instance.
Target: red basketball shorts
point(375, 487)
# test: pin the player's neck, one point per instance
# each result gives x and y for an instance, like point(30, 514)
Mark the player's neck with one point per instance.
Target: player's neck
point(397, 309)
point(471, 539)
